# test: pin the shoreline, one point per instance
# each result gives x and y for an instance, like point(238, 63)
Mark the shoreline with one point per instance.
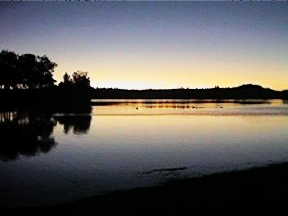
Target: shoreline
point(249, 188)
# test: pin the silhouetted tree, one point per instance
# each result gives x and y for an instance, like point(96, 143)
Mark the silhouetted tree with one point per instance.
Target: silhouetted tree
point(81, 80)
point(9, 76)
point(25, 71)
point(46, 69)
point(76, 90)
point(78, 80)
point(67, 81)
point(36, 71)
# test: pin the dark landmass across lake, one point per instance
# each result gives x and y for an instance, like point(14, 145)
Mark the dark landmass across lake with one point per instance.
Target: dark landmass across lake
point(72, 99)
point(248, 91)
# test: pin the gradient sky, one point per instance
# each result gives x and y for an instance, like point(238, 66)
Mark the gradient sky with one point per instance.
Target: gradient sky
point(155, 44)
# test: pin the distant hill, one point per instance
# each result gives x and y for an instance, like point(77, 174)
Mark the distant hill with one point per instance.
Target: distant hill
point(285, 94)
point(247, 91)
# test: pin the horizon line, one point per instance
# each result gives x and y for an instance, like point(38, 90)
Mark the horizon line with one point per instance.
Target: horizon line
point(176, 88)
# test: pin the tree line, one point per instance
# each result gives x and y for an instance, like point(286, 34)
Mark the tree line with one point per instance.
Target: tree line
point(29, 71)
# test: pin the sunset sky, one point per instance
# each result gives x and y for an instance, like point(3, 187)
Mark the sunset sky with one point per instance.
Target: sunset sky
point(155, 44)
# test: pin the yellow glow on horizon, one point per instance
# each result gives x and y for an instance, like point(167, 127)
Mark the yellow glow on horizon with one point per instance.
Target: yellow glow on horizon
point(139, 73)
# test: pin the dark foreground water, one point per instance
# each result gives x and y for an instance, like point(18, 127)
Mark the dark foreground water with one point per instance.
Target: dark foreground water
point(123, 144)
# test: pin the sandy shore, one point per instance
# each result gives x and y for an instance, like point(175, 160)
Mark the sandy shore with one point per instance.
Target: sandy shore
point(256, 188)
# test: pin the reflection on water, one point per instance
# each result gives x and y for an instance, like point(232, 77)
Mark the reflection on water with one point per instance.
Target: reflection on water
point(77, 124)
point(30, 134)
point(25, 134)
point(110, 102)
point(127, 144)
point(189, 107)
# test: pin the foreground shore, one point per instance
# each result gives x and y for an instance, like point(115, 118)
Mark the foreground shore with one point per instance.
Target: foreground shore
point(253, 188)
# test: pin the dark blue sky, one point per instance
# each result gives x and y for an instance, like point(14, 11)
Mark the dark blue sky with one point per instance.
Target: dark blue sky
point(155, 44)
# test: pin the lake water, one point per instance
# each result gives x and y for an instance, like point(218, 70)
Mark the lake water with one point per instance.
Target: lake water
point(124, 144)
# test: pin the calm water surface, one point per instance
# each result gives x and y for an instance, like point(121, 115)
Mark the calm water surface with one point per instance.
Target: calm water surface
point(123, 144)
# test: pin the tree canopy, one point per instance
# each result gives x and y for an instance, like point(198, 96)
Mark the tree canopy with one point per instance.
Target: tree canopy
point(26, 71)
point(78, 80)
